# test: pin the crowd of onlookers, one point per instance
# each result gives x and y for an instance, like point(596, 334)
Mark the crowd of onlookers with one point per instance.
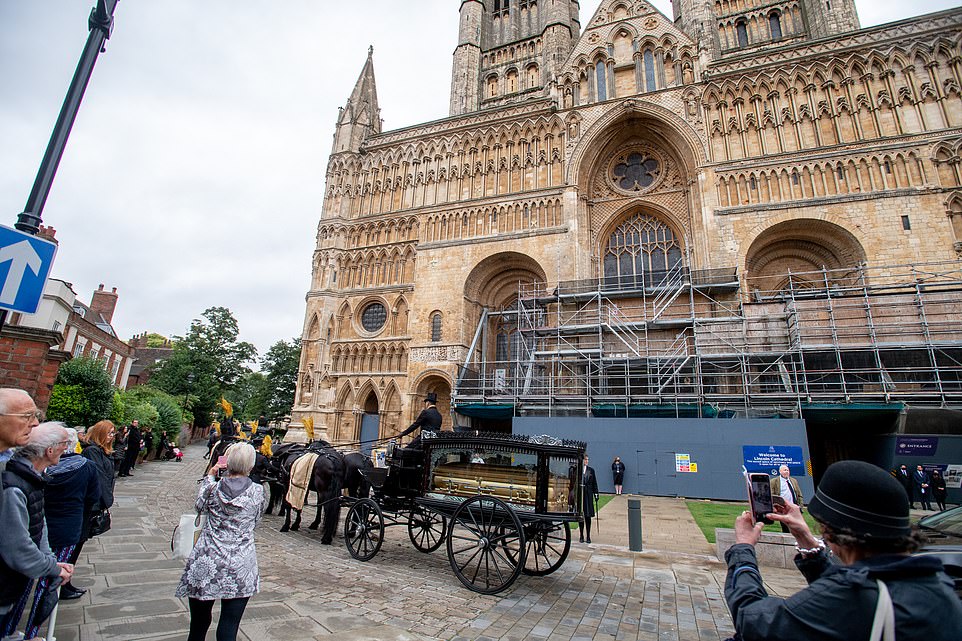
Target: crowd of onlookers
point(57, 489)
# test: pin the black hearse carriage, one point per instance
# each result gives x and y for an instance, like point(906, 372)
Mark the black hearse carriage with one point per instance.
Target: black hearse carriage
point(503, 504)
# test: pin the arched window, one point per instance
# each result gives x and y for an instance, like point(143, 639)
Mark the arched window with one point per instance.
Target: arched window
point(436, 327)
point(532, 76)
point(775, 25)
point(492, 86)
point(741, 30)
point(649, 70)
point(511, 81)
point(600, 80)
point(641, 252)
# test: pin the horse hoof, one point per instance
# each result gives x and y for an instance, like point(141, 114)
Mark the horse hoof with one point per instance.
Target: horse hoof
point(312, 527)
point(326, 541)
point(284, 529)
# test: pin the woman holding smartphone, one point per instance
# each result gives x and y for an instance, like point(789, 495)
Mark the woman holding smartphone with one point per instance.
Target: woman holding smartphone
point(223, 564)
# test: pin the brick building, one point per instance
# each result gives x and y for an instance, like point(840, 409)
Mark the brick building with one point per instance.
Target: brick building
point(752, 209)
point(146, 357)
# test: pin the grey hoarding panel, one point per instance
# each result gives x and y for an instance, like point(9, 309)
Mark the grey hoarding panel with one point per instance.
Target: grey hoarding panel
point(654, 449)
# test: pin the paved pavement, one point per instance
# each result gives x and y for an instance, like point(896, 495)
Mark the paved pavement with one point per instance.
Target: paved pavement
point(671, 591)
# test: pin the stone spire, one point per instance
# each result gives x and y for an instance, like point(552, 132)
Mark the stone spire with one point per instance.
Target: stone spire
point(360, 118)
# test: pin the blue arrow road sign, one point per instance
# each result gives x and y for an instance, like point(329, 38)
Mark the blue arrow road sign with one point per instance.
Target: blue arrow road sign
point(25, 263)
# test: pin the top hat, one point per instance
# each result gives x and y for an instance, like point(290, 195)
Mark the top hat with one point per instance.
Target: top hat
point(431, 398)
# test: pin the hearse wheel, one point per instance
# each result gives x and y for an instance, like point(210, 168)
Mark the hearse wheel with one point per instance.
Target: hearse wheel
point(364, 529)
point(426, 529)
point(486, 546)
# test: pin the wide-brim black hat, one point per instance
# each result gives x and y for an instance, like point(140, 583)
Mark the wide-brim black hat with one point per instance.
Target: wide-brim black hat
point(863, 498)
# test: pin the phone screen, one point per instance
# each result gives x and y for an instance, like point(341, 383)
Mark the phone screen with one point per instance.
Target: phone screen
point(222, 460)
point(760, 497)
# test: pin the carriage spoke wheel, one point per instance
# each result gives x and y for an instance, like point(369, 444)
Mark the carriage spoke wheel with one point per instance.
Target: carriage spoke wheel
point(486, 545)
point(548, 546)
point(364, 530)
point(426, 529)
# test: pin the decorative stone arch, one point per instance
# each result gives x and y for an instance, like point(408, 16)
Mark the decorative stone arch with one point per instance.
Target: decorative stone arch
point(438, 382)
point(801, 246)
point(391, 411)
point(494, 280)
point(344, 417)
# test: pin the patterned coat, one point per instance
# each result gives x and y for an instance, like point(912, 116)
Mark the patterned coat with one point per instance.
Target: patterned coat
point(223, 564)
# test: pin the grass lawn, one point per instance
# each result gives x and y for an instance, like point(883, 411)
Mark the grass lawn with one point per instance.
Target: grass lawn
point(603, 500)
point(709, 515)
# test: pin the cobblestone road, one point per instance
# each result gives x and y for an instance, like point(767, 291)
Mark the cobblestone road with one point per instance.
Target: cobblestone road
point(311, 591)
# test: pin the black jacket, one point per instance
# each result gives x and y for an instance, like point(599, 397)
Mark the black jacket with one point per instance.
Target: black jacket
point(428, 419)
point(840, 601)
point(589, 489)
point(71, 494)
point(105, 473)
point(133, 443)
point(21, 475)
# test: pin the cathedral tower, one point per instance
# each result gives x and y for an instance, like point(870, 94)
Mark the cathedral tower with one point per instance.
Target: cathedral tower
point(733, 27)
point(510, 50)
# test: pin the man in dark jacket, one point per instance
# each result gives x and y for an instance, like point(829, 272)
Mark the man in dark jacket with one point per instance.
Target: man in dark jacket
point(864, 517)
point(589, 495)
point(428, 419)
point(133, 448)
point(904, 477)
point(920, 483)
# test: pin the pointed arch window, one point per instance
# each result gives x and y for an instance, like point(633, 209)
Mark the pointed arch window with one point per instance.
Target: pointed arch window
point(642, 251)
point(741, 32)
point(436, 327)
point(775, 25)
point(649, 57)
point(601, 80)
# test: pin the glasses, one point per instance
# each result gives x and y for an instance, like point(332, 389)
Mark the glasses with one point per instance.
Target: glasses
point(37, 414)
point(62, 444)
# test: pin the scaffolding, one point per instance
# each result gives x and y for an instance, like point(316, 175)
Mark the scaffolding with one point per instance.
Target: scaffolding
point(710, 343)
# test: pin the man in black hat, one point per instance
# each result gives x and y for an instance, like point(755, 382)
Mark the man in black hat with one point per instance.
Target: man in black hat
point(861, 568)
point(428, 419)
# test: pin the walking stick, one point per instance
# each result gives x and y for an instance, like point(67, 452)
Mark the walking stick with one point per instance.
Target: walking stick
point(597, 515)
point(52, 623)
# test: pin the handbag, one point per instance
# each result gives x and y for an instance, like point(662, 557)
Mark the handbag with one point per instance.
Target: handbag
point(187, 532)
point(883, 625)
point(99, 522)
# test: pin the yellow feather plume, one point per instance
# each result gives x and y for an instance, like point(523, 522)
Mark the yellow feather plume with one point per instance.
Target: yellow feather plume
point(266, 446)
point(228, 408)
point(309, 427)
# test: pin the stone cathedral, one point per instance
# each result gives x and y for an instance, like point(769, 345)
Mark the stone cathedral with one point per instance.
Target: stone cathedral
point(753, 208)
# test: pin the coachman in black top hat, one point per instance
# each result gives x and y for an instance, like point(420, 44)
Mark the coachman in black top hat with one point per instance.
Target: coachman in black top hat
point(428, 419)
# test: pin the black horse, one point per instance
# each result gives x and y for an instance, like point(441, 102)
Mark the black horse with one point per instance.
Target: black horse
point(332, 472)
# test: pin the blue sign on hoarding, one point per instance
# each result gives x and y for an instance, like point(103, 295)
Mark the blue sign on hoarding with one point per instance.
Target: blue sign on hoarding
point(916, 445)
point(768, 458)
point(25, 263)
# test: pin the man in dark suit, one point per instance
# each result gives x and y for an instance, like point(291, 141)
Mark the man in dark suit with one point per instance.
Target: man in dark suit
point(428, 419)
point(920, 479)
point(904, 477)
point(589, 494)
point(785, 486)
point(133, 448)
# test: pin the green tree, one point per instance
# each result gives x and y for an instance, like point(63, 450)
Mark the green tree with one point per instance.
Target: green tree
point(250, 396)
point(279, 365)
point(207, 363)
point(156, 340)
point(85, 394)
point(155, 408)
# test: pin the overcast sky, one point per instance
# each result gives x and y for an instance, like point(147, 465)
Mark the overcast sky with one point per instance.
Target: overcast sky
point(194, 173)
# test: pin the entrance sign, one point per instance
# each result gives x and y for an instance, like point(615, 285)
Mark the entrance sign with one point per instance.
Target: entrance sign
point(25, 263)
point(768, 458)
point(916, 445)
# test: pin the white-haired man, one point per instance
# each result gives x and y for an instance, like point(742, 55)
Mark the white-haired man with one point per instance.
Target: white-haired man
point(24, 552)
point(18, 415)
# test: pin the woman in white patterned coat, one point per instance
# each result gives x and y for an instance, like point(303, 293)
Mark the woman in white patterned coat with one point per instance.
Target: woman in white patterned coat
point(223, 564)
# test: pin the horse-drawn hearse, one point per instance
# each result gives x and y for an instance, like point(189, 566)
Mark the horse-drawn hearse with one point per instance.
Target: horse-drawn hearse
point(502, 504)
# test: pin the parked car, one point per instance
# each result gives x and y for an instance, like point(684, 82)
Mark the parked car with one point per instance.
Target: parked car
point(942, 533)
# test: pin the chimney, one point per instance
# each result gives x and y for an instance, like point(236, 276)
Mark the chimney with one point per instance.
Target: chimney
point(104, 302)
point(48, 233)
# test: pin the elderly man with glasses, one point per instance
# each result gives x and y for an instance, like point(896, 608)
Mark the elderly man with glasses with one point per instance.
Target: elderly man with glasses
point(24, 551)
point(18, 416)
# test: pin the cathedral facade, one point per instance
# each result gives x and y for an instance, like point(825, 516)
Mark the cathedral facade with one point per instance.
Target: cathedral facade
point(722, 212)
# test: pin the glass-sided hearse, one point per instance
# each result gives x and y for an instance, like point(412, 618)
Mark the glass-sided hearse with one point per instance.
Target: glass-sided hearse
point(502, 504)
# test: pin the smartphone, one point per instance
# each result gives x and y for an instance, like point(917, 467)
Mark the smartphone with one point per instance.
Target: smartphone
point(222, 462)
point(760, 497)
